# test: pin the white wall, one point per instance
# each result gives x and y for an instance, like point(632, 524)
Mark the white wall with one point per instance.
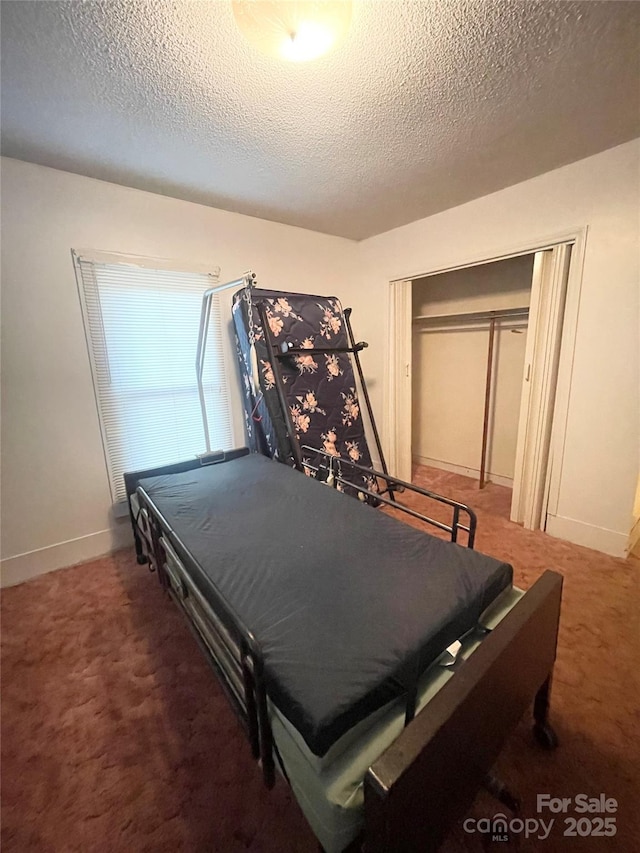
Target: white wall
point(56, 500)
point(56, 496)
point(449, 368)
point(600, 464)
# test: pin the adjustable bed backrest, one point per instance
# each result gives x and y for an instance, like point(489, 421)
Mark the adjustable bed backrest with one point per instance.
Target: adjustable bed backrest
point(427, 779)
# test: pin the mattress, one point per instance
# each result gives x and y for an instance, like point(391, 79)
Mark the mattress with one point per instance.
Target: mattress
point(320, 390)
point(349, 606)
point(330, 790)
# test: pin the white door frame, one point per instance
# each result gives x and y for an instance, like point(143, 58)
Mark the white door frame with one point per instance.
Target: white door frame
point(540, 451)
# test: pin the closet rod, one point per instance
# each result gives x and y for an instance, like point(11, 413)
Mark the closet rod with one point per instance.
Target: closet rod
point(474, 315)
point(513, 324)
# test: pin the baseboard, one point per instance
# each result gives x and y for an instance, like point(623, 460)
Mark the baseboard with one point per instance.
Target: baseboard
point(22, 567)
point(500, 479)
point(599, 538)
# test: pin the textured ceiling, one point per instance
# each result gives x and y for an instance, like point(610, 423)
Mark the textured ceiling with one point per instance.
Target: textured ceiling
point(425, 105)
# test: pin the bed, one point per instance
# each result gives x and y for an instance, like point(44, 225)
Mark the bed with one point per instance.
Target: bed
point(378, 668)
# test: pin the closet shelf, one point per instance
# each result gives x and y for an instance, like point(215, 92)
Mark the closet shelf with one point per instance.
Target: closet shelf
point(474, 315)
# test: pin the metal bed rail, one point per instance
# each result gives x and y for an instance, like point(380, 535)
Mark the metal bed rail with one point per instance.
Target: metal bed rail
point(365, 393)
point(229, 646)
point(333, 467)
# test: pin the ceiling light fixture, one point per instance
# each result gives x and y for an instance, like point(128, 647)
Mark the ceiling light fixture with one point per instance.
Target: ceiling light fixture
point(297, 30)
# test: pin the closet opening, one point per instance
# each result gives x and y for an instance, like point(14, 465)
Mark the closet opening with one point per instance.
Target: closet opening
point(469, 333)
point(480, 364)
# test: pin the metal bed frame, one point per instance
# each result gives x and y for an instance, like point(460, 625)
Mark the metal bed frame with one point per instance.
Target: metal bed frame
point(157, 543)
point(426, 780)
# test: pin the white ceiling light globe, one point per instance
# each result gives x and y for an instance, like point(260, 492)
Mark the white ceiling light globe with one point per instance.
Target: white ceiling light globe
point(296, 30)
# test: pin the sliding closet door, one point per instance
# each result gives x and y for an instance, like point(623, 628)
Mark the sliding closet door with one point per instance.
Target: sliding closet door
point(398, 408)
point(546, 314)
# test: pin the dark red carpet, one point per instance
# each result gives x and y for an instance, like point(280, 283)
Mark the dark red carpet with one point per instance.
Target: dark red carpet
point(115, 736)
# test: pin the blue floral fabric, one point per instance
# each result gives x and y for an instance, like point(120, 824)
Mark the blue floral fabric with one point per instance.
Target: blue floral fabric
point(320, 389)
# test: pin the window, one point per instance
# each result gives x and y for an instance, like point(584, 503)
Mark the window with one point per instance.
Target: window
point(142, 331)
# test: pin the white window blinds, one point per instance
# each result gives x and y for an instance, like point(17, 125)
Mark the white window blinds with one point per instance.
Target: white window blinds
point(142, 331)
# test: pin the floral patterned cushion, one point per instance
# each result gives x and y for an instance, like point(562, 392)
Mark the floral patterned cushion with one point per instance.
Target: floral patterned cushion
point(322, 400)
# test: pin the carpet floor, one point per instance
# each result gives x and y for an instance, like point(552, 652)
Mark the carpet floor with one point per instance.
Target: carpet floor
point(115, 736)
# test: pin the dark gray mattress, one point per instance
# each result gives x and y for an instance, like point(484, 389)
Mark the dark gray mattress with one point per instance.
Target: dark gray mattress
point(349, 605)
